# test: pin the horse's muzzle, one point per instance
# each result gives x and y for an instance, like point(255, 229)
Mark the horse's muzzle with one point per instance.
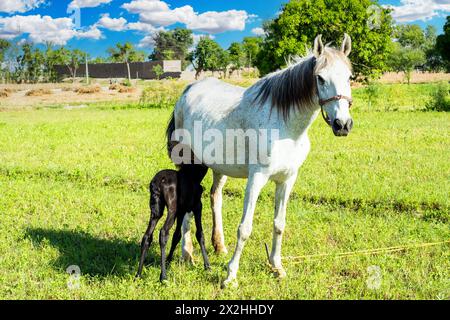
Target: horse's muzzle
point(341, 129)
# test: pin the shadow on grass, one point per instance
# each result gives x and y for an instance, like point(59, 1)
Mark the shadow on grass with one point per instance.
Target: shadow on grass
point(95, 256)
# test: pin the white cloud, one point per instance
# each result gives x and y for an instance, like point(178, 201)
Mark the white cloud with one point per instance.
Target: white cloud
point(41, 29)
point(258, 31)
point(11, 6)
point(87, 3)
point(159, 13)
point(114, 24)
point(217, 22)
point(414, 10)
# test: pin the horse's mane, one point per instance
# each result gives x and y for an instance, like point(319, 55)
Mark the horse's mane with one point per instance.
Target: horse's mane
point(295, 86)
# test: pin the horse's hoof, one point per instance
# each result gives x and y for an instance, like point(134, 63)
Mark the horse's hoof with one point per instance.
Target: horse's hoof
point(189, 259)
point(230, 284)
point(220, 250)
point(279, 273)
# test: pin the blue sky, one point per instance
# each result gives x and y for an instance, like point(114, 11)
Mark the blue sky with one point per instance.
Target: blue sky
point(102, 23)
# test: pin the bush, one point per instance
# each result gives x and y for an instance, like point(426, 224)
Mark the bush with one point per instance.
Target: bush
point(88, 90)
point(162, 94)
point(4, 93)
point(440, 99)
point(38, 92)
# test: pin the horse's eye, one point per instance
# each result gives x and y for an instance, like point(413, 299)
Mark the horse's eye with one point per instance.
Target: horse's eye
point(321, 80)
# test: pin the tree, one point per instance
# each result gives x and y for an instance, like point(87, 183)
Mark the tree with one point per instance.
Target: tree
point(30, 63)
point(302, 20)
point(237, 56)
point(405, 59)
point(4, 46)
point(252, 47)
point(72, 59)
point(126, 53)
point(443, 44)
point(410, 35)
point(207, 56)
point(158, 70)
point(173, 45)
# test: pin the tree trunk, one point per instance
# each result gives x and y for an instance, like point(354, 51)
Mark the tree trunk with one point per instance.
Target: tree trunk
point(129, 71)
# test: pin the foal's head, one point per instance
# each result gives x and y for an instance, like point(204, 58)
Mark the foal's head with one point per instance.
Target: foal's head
point(333, 72)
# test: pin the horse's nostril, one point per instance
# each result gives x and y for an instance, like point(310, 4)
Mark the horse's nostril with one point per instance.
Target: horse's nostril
point(349, 125)
point(338, 124)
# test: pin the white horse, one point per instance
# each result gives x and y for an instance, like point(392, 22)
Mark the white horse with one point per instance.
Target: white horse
point(296, 95)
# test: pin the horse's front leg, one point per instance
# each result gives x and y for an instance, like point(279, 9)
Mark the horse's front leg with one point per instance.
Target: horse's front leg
point(256, 182)
point(283, 191)
point(218, 239)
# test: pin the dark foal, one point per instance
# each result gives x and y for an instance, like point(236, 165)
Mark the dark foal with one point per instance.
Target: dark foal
point(181, 192)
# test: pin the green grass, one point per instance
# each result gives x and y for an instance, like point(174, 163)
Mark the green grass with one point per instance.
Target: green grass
point(73, 192)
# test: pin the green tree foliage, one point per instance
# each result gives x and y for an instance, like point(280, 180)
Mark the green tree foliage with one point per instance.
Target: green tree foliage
point(302, 20)
point(30, 64)
point(209, 56)
point(405, 59)
point(413, 48)
point(158, 70)
point(443, 44)
point(237, 56)
point(252, 47)
point(4, 46)
point(173, 45)
point(126, 53)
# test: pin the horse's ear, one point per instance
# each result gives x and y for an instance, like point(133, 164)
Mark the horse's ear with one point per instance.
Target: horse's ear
point(318, 46)
point(346, 45)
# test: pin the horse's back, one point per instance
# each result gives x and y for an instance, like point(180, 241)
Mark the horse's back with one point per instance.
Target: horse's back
point(210, 98)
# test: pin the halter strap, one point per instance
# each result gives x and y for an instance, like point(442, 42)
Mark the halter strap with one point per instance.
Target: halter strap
point(339, 97)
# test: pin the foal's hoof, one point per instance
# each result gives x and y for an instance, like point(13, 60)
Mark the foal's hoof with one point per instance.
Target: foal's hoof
point(279, 272)
point(230, 284)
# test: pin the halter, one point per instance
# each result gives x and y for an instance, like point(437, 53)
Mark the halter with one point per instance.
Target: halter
point(339, 97)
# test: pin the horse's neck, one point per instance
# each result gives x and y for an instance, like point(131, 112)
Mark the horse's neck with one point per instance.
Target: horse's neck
point(298, 124)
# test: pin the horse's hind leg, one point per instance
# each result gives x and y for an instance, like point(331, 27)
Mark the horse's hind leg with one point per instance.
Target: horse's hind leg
point(186, 244)
point(157, 211)
point(283, 190)
point(218, 238)
point(200, 236)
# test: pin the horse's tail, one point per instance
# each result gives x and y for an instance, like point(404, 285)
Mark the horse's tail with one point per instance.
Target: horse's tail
point(169, 133)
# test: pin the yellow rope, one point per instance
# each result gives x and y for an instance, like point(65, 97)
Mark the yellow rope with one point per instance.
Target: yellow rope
point(367, 251)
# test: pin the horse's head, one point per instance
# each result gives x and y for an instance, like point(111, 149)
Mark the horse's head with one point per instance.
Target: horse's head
point(333, 72)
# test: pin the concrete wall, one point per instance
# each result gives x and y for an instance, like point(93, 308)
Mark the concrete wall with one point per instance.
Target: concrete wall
point(139, 70)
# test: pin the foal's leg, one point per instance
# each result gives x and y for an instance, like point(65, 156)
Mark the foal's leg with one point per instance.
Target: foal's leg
point(200, 235)
point(163, 238)
point(176, 237)
point(218, 239)
point(157, 211)
point(283, 191)
point(255, 183)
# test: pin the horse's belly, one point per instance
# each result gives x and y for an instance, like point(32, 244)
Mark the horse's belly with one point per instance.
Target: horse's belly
point(233, 171)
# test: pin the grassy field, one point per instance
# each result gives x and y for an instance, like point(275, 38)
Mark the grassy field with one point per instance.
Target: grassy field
point(73, 192)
